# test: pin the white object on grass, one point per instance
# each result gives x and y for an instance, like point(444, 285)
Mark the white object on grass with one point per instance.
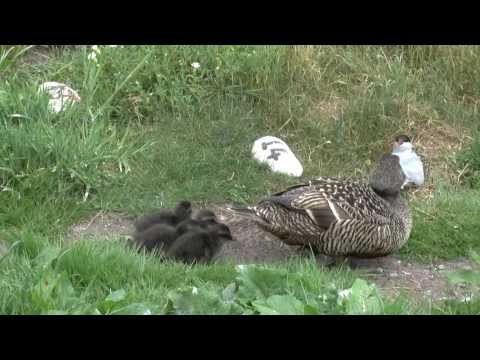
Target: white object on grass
point(60, 95)
point(411, 164)
point(277, 155)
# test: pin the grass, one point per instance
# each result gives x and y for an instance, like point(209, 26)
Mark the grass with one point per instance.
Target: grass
point(151, 130)
point(69, 280)
point(445, 226)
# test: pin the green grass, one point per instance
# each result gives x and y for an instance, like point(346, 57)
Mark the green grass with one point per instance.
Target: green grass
point(40, 277)
point(151, 130)
point(445, 227)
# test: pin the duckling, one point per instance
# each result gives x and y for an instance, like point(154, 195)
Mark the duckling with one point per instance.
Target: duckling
point(156, 238)
point(182, 211)
point(199, 245)
point(205, 215)
point(201, 219)
point(340, 217)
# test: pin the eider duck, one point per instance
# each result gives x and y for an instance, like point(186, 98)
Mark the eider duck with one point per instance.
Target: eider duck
point(340, 217)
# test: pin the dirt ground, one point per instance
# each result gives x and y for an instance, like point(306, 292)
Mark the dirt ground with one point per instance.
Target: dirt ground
point(391, 274)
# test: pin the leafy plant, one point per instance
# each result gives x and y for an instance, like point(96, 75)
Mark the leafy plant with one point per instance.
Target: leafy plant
point(361, 298)
point(279, 305)
point(202, 301)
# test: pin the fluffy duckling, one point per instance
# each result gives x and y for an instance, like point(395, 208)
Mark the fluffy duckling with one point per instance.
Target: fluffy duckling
point(199, 245)
point(182, 211)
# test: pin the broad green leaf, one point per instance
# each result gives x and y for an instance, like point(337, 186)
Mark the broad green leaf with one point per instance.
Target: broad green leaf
point(229, 294)
point(54, 290)
point(311, 310)
point(64, 287)
point(257, 282)
point(44, 288)
point(46, 257)
point(116, 296)
point(361, 298)
point(280, 305)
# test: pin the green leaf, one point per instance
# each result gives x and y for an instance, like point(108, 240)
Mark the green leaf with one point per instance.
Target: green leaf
point(257, 282)
point(464, 276)
point(54, 290)
point(229, 294)
point(64, 287)
point(45, 258)
point(113, 301)
point(200, 301)
point(133, 309)
point(280, 305)
point(44, 288)
point(116, 296)
point(311, 310)
point(361, 298)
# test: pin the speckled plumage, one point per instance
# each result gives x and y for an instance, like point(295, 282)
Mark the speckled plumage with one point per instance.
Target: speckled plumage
point(341, 216)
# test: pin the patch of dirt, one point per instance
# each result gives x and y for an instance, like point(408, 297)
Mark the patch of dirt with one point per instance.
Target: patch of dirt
point(419, 281)
point(102, 225)
point(41, 54)
point(37, 55)
point(253, 245)
point(435, 142)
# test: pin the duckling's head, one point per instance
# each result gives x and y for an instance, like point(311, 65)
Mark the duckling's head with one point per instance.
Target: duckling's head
point(222, 232)
point(183, 209)
point(205, 215)
point(387, 177)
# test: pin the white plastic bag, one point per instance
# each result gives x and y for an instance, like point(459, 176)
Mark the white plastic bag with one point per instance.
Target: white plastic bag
point(277, 155)
point(411, 164)
point(60, 95)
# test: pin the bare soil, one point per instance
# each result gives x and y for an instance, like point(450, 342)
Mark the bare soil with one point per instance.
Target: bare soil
point(391, 274)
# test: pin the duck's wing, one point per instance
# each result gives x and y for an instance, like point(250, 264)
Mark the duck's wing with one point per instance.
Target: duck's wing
point(328, 199)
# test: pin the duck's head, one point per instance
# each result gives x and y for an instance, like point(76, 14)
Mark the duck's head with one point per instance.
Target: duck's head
point(401, 141)
point(387, 177)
